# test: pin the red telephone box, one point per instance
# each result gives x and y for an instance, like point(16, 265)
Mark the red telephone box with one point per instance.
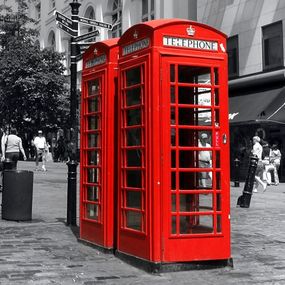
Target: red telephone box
point(173, 183)
point(99, 85)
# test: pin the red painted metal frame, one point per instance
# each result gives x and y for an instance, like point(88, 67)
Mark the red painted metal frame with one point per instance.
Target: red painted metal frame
point(142, 45)
point(99, 65)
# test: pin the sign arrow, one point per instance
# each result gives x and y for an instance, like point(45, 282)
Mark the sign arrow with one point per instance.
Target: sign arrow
point(92, 22)
point(63, 20)
point(66, 29)
point(86, 36)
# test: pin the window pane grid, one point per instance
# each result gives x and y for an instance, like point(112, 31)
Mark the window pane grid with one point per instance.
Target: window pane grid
point(133, 150)
point(193, 101)
point(92, 171)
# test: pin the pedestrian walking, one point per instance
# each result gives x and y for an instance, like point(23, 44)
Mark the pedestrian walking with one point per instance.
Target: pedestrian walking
point(12, 146)
point(275, 159)
point(257, 151)
point(41, 149)
point(205, 159)
point(267, 166)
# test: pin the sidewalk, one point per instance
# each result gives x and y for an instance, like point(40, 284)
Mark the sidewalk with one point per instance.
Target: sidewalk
point(45, 251)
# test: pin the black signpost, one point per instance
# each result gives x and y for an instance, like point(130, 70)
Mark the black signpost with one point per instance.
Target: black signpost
point(70, 26)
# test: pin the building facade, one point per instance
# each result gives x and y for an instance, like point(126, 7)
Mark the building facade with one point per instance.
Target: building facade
point(255, 48)
point(122, 14)
point(256, 70)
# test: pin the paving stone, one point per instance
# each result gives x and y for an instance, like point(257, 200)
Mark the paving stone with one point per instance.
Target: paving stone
point(45, 251)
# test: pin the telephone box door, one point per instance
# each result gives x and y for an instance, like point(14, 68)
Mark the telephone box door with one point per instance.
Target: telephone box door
point(195, 172)
point(92, 197)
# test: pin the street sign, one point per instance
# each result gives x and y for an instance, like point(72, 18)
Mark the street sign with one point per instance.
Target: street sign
point(66, 29)
point(63, 20)
point(86, 36)
point(92, 22)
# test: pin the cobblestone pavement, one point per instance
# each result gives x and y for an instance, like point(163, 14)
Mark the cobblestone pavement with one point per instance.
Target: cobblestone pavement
point(45, 251)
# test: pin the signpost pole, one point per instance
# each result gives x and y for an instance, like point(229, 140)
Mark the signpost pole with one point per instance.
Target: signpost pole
point(72, 164)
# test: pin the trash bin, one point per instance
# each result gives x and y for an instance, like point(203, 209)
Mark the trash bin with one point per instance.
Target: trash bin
point(17, 196)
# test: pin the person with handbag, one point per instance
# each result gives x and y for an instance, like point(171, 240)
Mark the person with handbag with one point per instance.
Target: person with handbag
point(12, 146)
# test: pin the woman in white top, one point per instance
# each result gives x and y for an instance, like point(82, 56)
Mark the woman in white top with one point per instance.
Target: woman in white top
point(12, 146)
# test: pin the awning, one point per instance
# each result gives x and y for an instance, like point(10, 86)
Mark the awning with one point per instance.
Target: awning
point(261, 107)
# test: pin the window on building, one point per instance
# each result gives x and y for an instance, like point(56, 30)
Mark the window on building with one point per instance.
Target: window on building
point(272, 41)
point(233, 62)
point(38, 11)
point(51, 40)
point(147, 10)
point(52, 4)
point(117, 18)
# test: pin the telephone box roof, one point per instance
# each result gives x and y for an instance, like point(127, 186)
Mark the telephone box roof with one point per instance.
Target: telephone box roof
point(153, 25)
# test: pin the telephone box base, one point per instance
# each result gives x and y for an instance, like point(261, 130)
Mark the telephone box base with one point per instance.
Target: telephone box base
point(96, 246)
point(161, 267)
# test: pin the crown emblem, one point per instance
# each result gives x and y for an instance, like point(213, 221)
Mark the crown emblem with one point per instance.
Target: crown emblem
point(191, 31)
point(95, 51)
point(135, 35)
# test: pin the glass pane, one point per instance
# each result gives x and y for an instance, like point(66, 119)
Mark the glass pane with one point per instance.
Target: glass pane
point(188, 137)
point(93, 123)
point(218, 159)
point(93, 157)
point(219, 202)
point(134, 199)
point(173, 225)
point(134, 220)
point(188, 159)
point(218, 180)
point(216, 74)
point(92, 193)
point(134, 178)
point(194, 117)
point(219, 223)
point(204, 96)
point(173, 202)
point(217, 118)
point(173, 136)
point(173, 180)
point(172, 116)
point(133, 137)
point(93, 104)
point(196, 202)
point(186, 95)
point(93, 87)
point(196, 224)
point(134, 157)
point(187, 180)
point(172, 94)
point(93, 140)
point(92, 212)
point(93, 175)
point(173, 158)
point(133, 76)
point(133, 117)
point(217, 97)
point(172, 73)
point(133, 96)
point(194, 74)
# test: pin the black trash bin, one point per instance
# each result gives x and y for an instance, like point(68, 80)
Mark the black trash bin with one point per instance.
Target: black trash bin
point(17, 196)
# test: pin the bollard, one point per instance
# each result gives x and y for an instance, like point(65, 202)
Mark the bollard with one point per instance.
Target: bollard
point(244, 200)
point(71, 193)
point(237, 172)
